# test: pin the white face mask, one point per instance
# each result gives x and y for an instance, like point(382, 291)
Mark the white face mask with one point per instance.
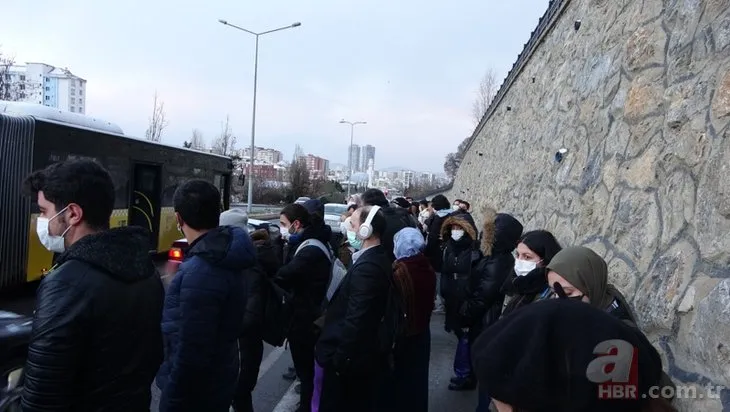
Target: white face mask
point(455, 207)
point(457, 234)
point(523, 267)
point(54, 244)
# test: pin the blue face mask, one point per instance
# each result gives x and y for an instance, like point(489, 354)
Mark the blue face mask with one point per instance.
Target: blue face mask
point(353, 240)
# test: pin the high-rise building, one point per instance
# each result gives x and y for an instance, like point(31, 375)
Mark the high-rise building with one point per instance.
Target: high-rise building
point(354, 160)
point(316, 166)
point(48, 85)
point(367, 154)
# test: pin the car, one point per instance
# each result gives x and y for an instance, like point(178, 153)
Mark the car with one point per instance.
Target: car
point(15, 333)
point(177, 251)
point(301, 200)
point(332, 214)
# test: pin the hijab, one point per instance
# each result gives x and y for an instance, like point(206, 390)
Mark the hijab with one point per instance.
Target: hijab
point(588, 272)
point(408, 242)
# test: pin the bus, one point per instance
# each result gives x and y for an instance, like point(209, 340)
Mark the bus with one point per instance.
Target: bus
point(145, 176)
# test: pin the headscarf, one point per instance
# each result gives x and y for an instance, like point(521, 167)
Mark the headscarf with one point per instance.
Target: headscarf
point(588, 272)
point(408, 242)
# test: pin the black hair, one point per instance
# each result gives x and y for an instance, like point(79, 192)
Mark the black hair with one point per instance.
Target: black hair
point(374, 197)
point(464, 202)
point(199, 204)
point(424, 202)
point(378, 223)
point(458, 201)
point(297, 212)
point(81, 181)
point(440, 202)
point(543, 243)
point(352, 207)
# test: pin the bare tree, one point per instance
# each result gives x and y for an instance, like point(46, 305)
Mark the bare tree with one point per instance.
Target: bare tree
point(484, 95)
point(225, 143)
point(196, 140)
point(158, 121)
point(299, 178)
point(453, 160)
point(298, 152)
point(14, 86)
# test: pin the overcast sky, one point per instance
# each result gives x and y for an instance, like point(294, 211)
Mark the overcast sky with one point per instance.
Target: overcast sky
point(409, 68)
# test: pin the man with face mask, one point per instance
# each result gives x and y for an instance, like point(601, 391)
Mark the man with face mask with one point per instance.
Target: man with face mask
point(96, 341)
point(305, 274)
point(205, 307)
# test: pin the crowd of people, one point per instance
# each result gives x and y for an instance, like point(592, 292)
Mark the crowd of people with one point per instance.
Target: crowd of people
point(527, 314)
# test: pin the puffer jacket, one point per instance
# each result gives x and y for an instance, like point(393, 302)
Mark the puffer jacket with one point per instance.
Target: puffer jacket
point(266, 267)
point(458, 270)
point(96, 342)
point(202, 320)
point(500, 234)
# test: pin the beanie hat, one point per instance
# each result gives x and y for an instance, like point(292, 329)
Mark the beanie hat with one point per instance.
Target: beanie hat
point(402, 202)
point(234, 217)
point(537, 358)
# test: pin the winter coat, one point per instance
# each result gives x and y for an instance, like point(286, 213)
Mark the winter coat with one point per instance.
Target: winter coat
point(416, 282)
point(349, 340)
point(96, 342)
point(524, 290)
point(202, 321)
point(266, 267)
point(306, 276)
point(396, 218)
point(434, 250)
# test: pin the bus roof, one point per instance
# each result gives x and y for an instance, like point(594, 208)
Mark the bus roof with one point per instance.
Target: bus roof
point(57, 116)
point(40, 111)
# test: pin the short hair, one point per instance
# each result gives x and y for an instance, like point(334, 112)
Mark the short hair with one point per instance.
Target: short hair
point(297, 212)
point(352, 207)
point(81, 181)
point(199, 204)
point(374, 197)
point(440, 202)
point(464, 202)
point(424, 202)
point(378, 223)
point(458, 201)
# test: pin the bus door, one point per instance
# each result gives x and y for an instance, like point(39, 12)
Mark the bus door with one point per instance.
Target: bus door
point(144, 208)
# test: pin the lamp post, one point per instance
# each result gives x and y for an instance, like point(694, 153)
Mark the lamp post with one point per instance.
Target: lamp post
point(255, 84)
point(349, 151)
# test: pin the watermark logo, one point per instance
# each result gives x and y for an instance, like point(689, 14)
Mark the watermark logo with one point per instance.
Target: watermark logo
point(615, 370)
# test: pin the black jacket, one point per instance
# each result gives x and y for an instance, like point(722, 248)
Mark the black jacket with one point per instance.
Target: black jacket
point(306, 276)
point(433, 250)
point(349, 340)
point(266, 267)
point(96, 343)
point(500, 235)
point(396, 218)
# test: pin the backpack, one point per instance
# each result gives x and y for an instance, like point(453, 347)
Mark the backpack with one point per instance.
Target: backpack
point(337, 269)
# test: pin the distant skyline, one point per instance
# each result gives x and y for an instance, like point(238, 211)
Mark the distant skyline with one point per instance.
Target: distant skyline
point(410, 68)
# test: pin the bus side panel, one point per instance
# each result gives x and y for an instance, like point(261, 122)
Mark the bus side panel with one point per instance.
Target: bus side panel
point(16, 148)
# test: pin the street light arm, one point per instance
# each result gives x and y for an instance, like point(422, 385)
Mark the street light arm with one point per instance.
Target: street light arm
point(237, 27)
point(291, 26)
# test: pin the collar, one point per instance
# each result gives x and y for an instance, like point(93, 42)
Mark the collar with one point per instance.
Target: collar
point(360, 252)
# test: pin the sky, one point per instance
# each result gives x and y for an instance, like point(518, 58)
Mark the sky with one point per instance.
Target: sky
point(409, 68)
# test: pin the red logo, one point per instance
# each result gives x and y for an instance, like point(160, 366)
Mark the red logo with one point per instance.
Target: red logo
point(615, 370)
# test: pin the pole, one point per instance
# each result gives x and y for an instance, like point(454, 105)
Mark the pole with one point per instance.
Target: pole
point(349, 155)
point(253, 127)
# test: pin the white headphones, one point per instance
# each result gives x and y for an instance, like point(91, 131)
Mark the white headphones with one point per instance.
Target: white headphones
point(366, 229)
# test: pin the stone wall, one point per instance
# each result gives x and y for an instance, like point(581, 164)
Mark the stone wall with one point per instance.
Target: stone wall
point(639, 95)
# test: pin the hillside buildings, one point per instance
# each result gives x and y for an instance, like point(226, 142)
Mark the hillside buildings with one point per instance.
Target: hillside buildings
point(42, 83)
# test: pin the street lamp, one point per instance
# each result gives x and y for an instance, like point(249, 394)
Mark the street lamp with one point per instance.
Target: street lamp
point(255, 84)
point(349, 151)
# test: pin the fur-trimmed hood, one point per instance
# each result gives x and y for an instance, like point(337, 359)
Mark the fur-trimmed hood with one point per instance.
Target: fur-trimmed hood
point(458, 220)
point(500, 232)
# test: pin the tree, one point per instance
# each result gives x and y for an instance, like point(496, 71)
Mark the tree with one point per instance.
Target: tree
point(14, 87)
point(484, 95)
point(158, 121)
point(299, 178)
point(453, 160)
point(196, 140)
point(225, 143)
